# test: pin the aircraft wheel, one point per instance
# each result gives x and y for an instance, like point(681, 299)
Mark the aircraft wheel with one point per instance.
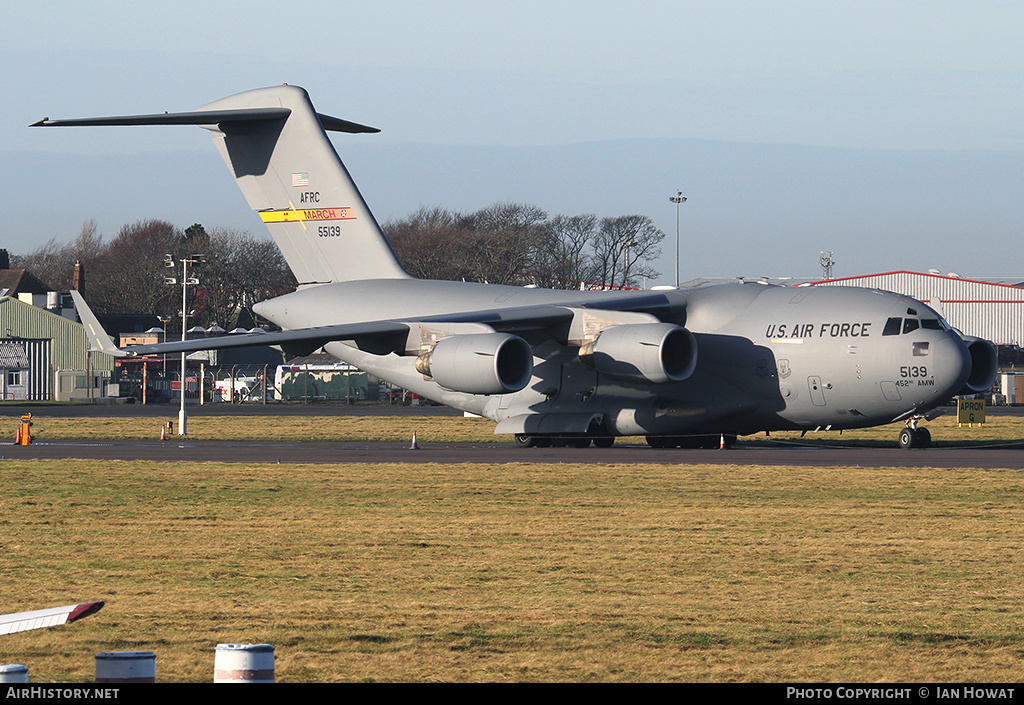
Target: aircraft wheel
point(582, 442)
point(655, 441)
point(541, 441)
point(908, 438)
point(924, 438)
point(524, 441)
point(604, 441)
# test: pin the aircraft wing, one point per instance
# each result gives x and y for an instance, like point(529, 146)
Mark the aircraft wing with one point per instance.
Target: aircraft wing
point(311, 338)
point(38, 619)
point(521, 318)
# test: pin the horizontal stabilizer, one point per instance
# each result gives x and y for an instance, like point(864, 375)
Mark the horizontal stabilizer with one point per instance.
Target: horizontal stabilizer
point(205, 117)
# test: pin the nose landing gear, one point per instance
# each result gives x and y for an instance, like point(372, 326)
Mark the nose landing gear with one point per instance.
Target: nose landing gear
point(913, 437)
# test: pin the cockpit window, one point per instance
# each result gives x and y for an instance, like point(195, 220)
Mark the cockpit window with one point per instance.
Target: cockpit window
point(895, 325)
point(892, 326)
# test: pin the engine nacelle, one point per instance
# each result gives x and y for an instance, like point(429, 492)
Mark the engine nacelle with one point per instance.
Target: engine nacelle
point(484, 363)
point(647, 352)
point(984, 365)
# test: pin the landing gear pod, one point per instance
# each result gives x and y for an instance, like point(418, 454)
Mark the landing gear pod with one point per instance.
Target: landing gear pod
point(486, 363)
point(651, 352)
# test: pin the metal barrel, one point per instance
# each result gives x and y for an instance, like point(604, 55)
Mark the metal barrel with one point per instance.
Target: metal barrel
point(244, 663)
point(13, 673)
point(126, 667)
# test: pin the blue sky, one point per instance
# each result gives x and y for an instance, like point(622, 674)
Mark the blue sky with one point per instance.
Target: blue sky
point(870, 75)
point(875, 73)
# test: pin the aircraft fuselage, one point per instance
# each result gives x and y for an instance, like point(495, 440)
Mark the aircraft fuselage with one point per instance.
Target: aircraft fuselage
point(768, 357)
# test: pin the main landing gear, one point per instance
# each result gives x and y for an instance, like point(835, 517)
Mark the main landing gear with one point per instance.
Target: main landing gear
point(581, 441)
point(913, 437)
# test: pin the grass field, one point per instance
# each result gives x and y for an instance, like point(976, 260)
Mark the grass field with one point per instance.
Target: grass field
point(521, 572)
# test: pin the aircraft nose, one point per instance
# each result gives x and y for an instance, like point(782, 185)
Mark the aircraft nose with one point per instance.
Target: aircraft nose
point(952, 364)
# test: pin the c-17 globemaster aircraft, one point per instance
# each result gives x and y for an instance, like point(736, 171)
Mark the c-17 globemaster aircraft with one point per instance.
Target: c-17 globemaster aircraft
point(677, 366)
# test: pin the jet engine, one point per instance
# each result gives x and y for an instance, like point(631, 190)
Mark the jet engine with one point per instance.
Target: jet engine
point(484, 363)
point(984, 365)
point(647, 352)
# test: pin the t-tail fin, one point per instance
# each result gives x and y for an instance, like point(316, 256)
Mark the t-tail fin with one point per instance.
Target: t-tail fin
point(275, 144)
point(290, 173)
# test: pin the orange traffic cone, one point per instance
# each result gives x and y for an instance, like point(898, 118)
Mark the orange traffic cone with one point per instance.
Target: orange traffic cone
point(163, 433)
point(415, 445)
point(721, 442)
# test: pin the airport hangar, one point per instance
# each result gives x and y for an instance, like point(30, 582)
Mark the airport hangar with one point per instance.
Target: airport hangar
point(44, 353)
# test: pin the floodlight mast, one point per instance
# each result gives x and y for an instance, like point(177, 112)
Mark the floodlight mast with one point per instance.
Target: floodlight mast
point(827, 261)
point(678, 199)
point(195, 260)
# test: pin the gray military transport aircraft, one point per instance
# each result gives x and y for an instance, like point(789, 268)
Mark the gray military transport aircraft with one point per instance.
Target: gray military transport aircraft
point(682, 367)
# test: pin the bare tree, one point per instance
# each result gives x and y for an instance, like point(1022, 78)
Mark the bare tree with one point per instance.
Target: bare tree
point(130, 275)
point(514, 243)
point(563, 261)
point(432, 243)
point(240, 271)
point(126, 275)
point(507, 239)
point(54, 262)
point(623, 246)
point(47, 263)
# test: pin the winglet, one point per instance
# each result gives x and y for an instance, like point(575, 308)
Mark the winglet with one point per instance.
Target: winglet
point(84, 610)
point(98, 340)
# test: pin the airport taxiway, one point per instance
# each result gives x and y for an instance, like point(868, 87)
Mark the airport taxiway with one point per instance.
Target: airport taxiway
point(180, 450)
point(748, 452)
